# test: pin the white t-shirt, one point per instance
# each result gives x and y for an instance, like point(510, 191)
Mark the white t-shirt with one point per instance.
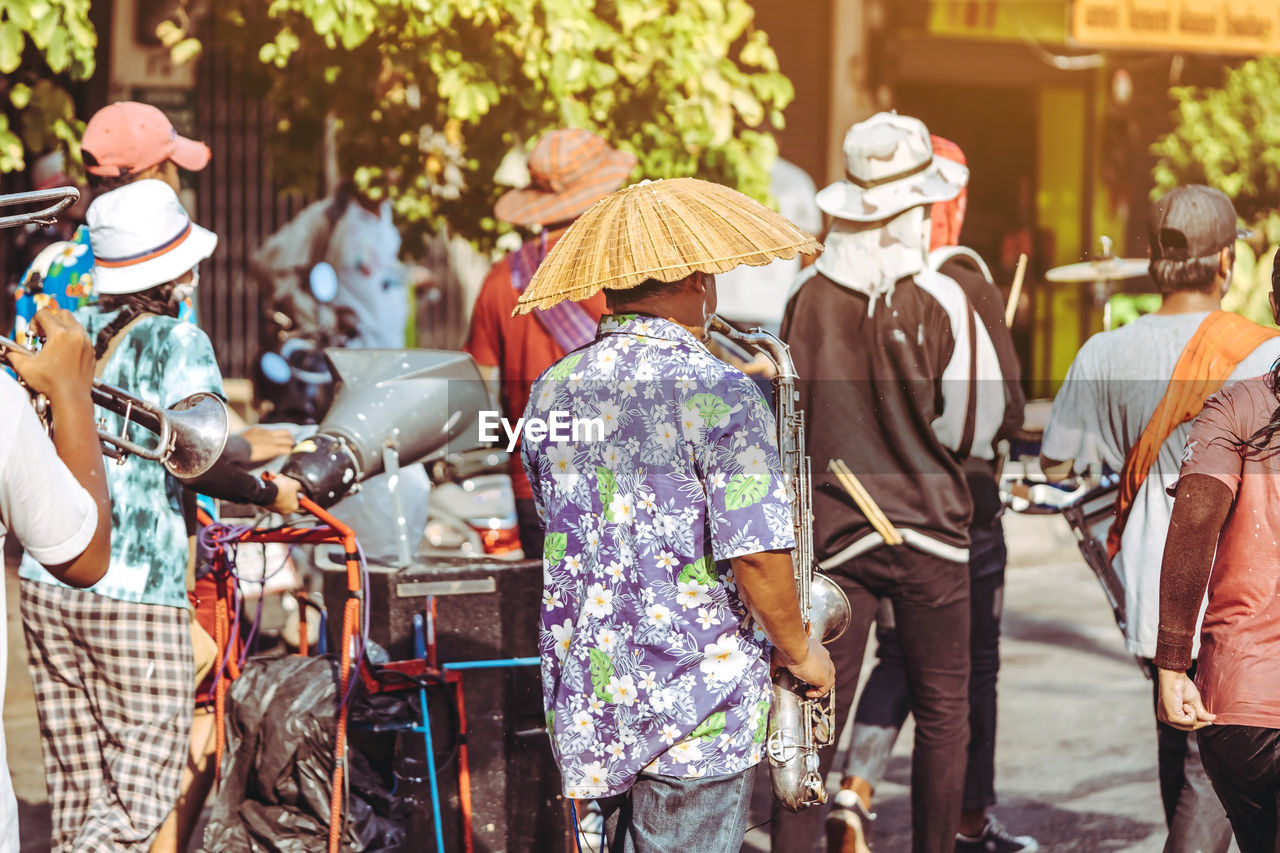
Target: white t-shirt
point(371, 280)
point(50, 512)
point(1110, 393)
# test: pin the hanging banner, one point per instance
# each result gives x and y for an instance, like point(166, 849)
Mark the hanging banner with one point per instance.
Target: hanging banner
point(1193, 26)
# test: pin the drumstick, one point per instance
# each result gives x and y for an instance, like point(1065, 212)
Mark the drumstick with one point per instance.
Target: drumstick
point(1016, 292)
point(867, 504)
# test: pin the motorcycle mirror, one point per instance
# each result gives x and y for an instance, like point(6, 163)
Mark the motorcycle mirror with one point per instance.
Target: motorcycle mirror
point(275, 369)
point(323, 281)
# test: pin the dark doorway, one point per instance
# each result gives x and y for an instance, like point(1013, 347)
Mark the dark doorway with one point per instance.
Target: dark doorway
point(995, 127)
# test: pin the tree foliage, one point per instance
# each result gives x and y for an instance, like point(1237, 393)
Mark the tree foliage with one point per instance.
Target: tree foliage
point(431, 97)
point(1229, 137)
point(43, 45)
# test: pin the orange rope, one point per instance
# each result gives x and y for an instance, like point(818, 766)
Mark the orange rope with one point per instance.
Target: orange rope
point(221, 630)
point(350, 626)
point(464, 767)
point(303, 645)
point(350, 619)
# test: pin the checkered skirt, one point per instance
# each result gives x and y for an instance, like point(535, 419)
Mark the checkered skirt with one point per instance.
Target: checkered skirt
point(114, 684)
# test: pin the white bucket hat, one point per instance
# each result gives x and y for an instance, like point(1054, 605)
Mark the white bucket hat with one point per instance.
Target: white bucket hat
point(142, 236)
point(889, 163)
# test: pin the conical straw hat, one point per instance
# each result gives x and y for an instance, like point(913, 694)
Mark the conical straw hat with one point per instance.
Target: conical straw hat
point(663, 230)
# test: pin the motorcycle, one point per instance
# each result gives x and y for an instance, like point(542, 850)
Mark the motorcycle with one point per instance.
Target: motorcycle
point(472, 510)
point(293, 383)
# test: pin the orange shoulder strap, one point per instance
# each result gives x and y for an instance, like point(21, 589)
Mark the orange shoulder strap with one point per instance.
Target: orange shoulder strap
point(1221, 342)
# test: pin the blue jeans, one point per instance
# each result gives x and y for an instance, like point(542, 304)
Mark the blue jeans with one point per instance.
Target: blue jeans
point(661, 814)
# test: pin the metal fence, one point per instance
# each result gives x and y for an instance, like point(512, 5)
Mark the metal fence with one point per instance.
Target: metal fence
point(238, 200)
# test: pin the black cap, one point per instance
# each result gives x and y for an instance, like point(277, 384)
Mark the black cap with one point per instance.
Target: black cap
point(1194, 221)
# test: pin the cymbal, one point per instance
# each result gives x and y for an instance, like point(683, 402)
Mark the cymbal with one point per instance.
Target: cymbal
point(1107, 269)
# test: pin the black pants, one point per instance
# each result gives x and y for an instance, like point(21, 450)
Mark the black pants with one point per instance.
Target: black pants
point(1243, 762)
point(931, 604)
point(1192, 809)
point(886, 698)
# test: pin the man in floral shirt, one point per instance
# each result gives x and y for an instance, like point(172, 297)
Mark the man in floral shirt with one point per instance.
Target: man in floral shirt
point(665, 536)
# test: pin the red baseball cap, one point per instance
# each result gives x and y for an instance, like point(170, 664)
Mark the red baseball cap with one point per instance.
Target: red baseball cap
point(128, 137)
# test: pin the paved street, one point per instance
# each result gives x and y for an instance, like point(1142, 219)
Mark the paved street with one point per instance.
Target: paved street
point(1076, 754)
point(1076, 759)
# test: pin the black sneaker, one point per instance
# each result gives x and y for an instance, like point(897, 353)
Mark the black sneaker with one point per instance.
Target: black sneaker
point(996, 839)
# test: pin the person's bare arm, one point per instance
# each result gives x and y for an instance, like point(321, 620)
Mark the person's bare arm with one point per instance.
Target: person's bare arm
point(63, 372)
point(1199, 511)
point(266, 444)
point(491, 375)
point(767, 585)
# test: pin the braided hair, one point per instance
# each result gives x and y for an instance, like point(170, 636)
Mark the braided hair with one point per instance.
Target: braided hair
point(154, 300)
point(1261, 440)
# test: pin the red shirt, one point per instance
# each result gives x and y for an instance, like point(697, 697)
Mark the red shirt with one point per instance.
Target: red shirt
point(1239, 669)
point(518, 346)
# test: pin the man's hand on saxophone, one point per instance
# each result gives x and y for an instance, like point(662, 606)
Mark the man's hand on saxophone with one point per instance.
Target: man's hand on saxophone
point(814, 669)
point(767, 582)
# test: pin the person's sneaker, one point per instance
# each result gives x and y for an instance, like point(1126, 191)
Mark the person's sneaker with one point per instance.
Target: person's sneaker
point(996, 839)
point(846, 825)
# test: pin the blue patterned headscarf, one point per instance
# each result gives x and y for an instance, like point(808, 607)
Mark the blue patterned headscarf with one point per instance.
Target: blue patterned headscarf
point(61, 274)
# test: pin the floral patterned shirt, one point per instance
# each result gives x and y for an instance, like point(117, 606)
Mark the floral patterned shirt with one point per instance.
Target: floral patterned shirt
point(650, 661)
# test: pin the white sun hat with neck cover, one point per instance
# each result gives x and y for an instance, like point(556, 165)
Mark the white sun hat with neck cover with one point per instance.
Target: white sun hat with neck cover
point(890, 168)
point(142, 237)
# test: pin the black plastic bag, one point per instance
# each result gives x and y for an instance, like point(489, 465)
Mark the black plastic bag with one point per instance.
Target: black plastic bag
point(282, 717)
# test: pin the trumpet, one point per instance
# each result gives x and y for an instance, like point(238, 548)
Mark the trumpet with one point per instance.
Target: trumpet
point(189, 437)
point(62, 198)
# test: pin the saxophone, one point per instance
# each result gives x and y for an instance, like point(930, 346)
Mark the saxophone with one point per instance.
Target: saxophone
point(798, 726)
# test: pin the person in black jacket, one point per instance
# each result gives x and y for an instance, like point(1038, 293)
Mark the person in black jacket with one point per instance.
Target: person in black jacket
point(901, 381)
point(883, 706)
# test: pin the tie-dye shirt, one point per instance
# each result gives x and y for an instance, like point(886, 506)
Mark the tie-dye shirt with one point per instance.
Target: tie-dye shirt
point(162, 360)
point(650, 661)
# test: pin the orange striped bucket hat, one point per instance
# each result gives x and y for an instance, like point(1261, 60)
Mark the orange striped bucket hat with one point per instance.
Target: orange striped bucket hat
point(569, 171)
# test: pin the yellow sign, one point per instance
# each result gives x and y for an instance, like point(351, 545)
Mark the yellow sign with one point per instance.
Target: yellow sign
point(1198, 26)
point(1000, 20)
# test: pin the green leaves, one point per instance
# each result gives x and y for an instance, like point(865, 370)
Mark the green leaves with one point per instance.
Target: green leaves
point(699, 572)
point(10, 148)
point(745, 490)
point(601, 671)
point(43, 115)
point(709, 407)
point(691, 88)
point(607, 486)
point(762, 721)
point(11, 43)
point(711, 727)
point(554, 546)
point(564, 367)
point(1226, 137)
point(20, 95)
